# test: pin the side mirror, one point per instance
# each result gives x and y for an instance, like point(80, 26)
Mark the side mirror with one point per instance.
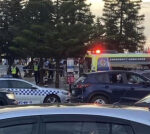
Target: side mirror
point(33, 87)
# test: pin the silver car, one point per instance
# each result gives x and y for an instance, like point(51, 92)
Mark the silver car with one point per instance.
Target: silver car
point(28, 93)
point(74, 119)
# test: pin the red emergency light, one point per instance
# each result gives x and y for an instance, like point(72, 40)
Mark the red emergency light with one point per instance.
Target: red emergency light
point(98, 51)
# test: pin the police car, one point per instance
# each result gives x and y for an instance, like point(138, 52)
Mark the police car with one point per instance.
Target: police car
point(28, 93)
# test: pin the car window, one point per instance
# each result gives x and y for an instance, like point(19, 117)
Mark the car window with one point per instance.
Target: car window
point(102, 78)
point(121, 129)
point(146, 75)
point(134, 79)
point(19, 84)
point(86, 128)
point(116, 78)
point(17, 129)
point(4, 84)
point(77, 128)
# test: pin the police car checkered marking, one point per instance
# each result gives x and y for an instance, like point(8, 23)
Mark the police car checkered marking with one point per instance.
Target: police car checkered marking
point(33, 92)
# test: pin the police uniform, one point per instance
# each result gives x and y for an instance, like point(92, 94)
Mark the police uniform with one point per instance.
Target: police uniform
point(15, 71)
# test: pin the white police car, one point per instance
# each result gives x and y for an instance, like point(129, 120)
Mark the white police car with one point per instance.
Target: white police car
point(74, 119)
point(28, 93)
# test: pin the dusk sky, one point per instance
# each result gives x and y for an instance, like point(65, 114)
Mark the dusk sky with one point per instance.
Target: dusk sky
point(97, 7)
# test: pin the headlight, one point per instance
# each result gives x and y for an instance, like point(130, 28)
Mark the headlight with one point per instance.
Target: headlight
point(65, 93)
point(11, 96)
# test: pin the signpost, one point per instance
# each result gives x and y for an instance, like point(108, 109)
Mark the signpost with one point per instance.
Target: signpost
point(70, 72)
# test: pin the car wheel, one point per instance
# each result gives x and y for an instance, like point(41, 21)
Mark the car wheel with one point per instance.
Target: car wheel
point(52, 99)
point(99, 100)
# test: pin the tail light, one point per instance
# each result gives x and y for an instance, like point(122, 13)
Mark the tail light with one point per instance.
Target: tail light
point(83, 85)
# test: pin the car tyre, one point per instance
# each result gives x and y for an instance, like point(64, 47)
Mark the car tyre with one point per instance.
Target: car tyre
point(52, 99)
point(99, 100)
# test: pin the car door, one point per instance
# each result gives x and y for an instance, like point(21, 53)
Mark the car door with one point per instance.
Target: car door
point(137, 88)
point(25, 92)
point(84, 124)
point(117, 85)
point(19, 125)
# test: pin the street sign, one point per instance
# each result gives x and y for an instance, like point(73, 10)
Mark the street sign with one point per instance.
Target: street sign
point(70, 65)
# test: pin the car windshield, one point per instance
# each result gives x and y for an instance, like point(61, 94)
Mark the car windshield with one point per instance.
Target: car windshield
point(147, 75)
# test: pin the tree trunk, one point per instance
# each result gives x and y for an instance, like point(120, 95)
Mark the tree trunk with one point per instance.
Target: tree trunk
point(57, 74)
point(41, 71)
point(121, 19)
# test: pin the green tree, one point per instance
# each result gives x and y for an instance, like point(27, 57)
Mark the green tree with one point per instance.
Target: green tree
point(10, 20)
point(72, 30)
point(37, 16)
point(123, 25)
point(98, 33)
point(63, 31)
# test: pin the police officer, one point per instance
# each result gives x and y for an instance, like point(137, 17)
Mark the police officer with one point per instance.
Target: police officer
point(36, 72)
point(15, 71)
point(51, 70)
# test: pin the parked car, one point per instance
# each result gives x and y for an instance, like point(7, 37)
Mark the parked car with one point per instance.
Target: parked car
point(74, 119)
point(28, 93)
point(110, 87)
point(7, 98)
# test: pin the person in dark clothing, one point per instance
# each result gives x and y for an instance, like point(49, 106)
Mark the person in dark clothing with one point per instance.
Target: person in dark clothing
point(15, 72)
point(51, 70)
point(36, 72)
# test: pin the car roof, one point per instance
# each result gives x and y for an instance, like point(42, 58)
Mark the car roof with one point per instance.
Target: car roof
point(136, 114)
point(1, 78)
point(109, 71)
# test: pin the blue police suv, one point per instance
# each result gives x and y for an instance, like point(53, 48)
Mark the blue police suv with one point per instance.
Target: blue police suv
point(110, 87)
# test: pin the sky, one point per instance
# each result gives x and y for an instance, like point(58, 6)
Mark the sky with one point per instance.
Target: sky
point(97, 7)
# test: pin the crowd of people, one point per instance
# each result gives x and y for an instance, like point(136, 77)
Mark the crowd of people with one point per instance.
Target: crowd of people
point(44, 70)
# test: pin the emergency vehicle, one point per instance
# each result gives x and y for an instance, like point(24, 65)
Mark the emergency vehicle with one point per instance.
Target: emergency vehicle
point(29, 93)
point(98, 61)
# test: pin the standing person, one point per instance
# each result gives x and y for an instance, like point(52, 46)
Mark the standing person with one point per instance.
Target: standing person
point(36, 72)
point(51, 70)
point(15, 71)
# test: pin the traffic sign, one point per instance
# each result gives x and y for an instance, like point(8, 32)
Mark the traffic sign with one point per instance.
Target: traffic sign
point(70, 65)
